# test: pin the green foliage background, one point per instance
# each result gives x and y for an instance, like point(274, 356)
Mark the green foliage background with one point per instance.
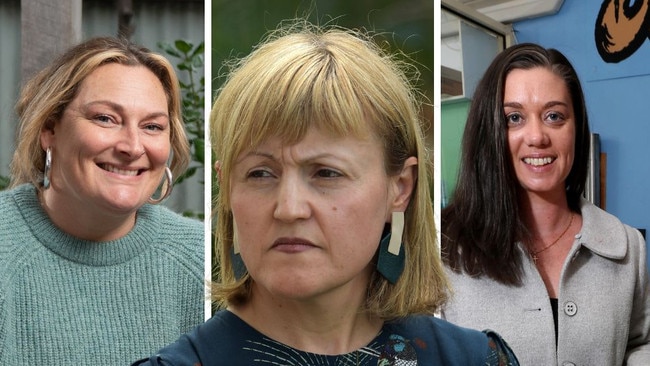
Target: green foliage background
point(188, 59)
point(238, 25)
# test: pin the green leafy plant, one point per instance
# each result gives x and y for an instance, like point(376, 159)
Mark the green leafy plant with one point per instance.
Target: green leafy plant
point(190, 60)
point(4, 182)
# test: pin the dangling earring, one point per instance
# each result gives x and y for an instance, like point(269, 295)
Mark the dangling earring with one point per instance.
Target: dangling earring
point(238, 266)
point(48, 168)
point(167, 186)
point(390, 262)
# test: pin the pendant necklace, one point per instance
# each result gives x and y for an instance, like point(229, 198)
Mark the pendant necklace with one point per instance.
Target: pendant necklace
point(536, 252)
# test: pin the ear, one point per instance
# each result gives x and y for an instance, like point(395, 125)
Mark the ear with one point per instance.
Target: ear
point(404, 184)
point(47, 135)
point(217, 168)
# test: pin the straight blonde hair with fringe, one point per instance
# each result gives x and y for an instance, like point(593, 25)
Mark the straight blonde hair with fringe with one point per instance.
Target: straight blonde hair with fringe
point(44, 98)
point(340, 81)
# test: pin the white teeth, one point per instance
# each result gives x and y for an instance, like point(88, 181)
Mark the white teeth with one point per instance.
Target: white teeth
point(538, 161)
point(115, 170)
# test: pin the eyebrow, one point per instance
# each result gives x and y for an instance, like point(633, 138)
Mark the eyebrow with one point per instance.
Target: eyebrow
point(259, 153)
point(552, 103)
point(270, 156)
point(120, 109)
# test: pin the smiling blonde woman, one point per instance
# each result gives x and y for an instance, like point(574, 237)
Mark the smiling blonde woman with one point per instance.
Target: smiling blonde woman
point(91, 272)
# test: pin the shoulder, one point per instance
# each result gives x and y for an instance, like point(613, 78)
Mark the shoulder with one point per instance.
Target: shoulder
point(595, 217)
point(605, 235)
point(171, 228)
point(12, 198)
point(198, 346)
point(18, 206)
point(450, 344)
point(172, 237)
point(438, 331)
point(172, 220)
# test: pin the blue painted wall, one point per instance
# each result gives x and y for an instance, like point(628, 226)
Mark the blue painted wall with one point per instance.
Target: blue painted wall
point(618, 102)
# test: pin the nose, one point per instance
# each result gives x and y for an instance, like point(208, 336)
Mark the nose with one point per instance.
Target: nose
point(129, 143)
point(536, 134)
point(292, 200)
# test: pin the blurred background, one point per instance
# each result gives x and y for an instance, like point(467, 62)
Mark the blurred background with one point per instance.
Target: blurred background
point(406, 25)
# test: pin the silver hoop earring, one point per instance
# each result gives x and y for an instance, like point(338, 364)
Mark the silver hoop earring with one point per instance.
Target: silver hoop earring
point(167, 186)
point(48, 168)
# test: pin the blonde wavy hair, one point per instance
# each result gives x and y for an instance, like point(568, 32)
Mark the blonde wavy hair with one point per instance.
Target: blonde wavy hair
point(338, 80)
point(44, 98)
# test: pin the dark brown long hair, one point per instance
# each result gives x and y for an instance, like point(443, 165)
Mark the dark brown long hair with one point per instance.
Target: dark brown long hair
point(482, 224)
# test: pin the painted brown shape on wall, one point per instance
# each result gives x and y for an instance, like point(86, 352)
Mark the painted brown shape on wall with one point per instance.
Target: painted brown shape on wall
point(621, 29)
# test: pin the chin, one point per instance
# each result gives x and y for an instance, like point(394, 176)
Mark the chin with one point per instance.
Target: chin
point(125, 204)
point(540, 191)
point(294, 294)
point(291, 288)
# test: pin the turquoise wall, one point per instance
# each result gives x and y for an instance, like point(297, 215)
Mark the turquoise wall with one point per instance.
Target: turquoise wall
point(453, 115)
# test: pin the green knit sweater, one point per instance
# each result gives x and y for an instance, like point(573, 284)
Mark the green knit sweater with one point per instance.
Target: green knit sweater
point(66, 301)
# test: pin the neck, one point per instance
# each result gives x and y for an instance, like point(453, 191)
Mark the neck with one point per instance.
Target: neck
point(79, 221)
point(329, 326)
point(545, 215)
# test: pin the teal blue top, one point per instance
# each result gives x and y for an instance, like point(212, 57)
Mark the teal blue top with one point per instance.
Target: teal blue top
point(226, 340)
point(66, 301)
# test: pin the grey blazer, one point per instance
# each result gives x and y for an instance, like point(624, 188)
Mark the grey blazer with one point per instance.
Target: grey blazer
point(603, 301)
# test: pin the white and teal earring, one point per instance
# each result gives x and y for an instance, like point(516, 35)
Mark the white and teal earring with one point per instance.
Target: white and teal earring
point(237, 263)
point(391, 258)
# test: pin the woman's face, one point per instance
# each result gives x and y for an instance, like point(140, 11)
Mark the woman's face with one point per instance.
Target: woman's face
point(309, 216)
point(111, 145)
point(541, 129)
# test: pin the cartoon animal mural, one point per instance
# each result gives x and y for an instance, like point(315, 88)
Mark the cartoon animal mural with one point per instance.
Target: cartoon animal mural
point(621, 28)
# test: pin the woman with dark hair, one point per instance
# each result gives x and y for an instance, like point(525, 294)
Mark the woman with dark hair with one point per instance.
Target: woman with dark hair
point(528, 256)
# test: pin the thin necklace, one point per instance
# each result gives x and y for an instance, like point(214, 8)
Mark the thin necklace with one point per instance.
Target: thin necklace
point(536, 252)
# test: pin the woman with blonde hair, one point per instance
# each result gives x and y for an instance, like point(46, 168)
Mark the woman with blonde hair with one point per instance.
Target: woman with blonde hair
point(324, 219)
point(91, 271)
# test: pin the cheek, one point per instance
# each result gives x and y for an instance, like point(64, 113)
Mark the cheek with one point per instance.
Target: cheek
point(513, 142)
point(568, 141)
point(570, 155)
point(81, 144)
point(159, 150)
point(359, 225)
point(248, 214)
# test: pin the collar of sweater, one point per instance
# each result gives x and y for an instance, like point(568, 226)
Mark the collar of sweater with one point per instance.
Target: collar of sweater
point(602, 232)
point(84, 251)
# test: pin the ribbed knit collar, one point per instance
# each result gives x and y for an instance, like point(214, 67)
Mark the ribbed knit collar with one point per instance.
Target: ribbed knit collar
point(91, 253)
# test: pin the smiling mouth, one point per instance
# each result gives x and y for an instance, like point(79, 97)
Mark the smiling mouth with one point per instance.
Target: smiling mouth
point(113, 169)
point(538, 161)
